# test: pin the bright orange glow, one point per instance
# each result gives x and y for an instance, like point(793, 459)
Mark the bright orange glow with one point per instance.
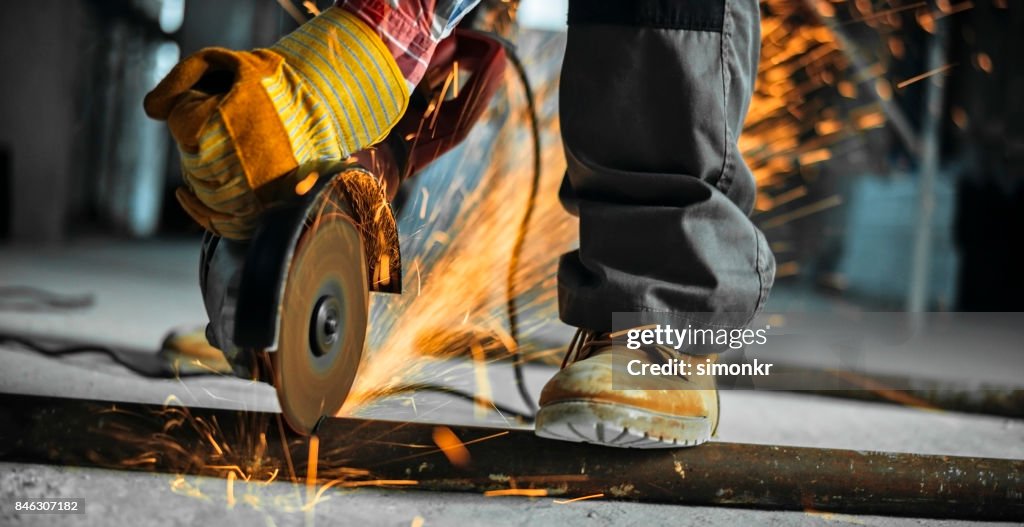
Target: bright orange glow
point(451, 446)
point(533, 493)
point(984, 62)
point(304, 186)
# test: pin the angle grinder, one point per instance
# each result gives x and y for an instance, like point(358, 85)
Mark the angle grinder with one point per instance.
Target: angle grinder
point(290, 307)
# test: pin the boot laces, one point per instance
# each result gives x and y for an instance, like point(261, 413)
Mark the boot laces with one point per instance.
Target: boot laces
point(583, 343)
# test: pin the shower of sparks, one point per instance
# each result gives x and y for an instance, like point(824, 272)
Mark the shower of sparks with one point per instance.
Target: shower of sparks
point(459, 229)
point(240, 455)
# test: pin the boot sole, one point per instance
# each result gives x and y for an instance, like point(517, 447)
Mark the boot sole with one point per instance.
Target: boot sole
point(620, 426)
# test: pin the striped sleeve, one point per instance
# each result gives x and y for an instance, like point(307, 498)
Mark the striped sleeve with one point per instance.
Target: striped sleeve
point(411, 29)
point(339, 87)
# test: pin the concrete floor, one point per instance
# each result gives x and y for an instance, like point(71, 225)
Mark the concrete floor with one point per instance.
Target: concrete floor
point(141, 290)
point(127, 498)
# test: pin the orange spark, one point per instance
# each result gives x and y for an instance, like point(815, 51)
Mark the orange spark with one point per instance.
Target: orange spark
point(304, 186)
point(883, 89)
point(455, 83)
point(384, 269)
point(869, 120)
point(311, 466)
point(790, 195)
point(802, 212)
point(959, 117)
point(451, 446)
point(847, 89)
point(231, 490)
point(884, 391)
point(925, 75)
point(213, 442)
point(379, 483)
point(887, 12)
point(948, 9)
point(311, 7)
point(581, 498)
point(984, 62)
point(787, 269)
point(483, 382)
point(816, 156)
point(533, 493)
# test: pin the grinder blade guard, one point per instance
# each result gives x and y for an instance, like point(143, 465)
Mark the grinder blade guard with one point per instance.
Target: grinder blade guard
point(303, 296)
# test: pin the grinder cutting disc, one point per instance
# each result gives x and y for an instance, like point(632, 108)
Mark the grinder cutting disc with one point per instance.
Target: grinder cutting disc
point(323, 320)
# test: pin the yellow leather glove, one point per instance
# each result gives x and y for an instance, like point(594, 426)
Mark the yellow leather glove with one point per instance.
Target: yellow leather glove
point(244, 120)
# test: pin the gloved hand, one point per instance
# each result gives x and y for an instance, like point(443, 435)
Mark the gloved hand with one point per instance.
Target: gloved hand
point(245, 120)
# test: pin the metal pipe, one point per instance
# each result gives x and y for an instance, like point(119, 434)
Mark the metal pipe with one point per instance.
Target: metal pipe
point(356, 452)
point(956, 396)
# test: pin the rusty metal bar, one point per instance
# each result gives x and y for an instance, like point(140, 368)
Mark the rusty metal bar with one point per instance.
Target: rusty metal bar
point(359, 452)
point(1003, 402)
point(954, 396)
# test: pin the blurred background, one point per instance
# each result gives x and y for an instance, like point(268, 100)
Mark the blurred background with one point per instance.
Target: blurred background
point(887, 136)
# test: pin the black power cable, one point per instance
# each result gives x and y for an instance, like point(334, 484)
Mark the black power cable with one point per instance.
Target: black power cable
point(517, 249)
point(146, 368)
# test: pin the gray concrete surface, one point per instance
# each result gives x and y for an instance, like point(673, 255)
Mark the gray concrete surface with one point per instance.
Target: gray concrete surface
point(142, 290)
point(123, 498)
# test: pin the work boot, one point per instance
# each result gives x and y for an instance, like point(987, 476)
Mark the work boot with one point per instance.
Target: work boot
point(581, 404)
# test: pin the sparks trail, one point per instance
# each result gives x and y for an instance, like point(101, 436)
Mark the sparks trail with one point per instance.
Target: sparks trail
point(885, 12)
point(581, 498)
point(803, 212)
point(923, 76)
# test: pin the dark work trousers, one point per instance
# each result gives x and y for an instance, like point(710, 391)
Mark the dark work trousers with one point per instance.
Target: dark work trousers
point(653, 97)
